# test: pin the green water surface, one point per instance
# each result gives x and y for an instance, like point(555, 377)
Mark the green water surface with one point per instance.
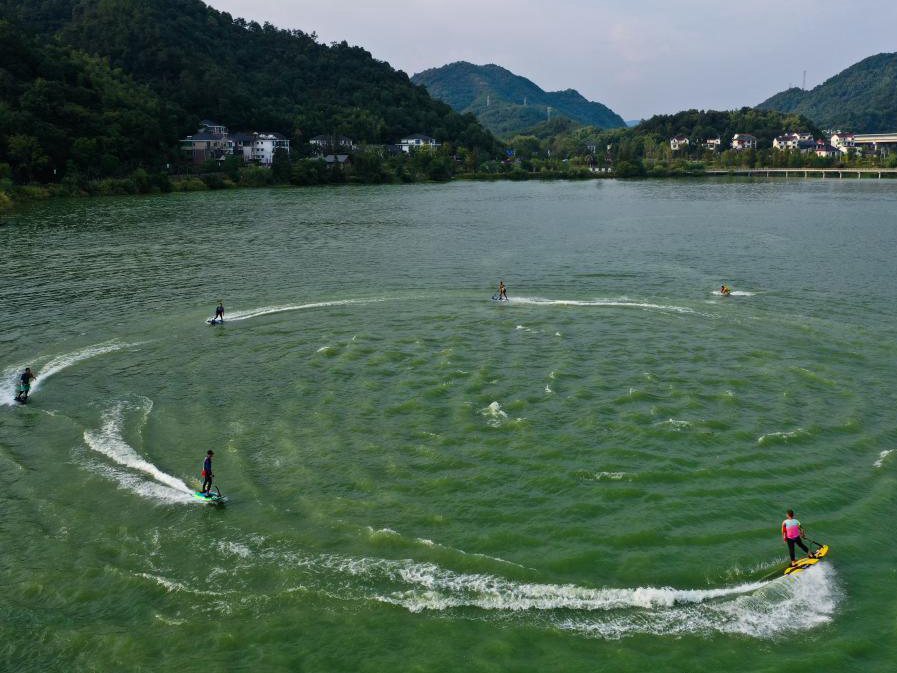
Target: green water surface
point(590, 477)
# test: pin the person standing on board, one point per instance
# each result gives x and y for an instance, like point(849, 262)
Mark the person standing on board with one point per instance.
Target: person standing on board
point(219, 312)
point(792, 534)
point(207, 472)
point(502, 291)
point(24, 385)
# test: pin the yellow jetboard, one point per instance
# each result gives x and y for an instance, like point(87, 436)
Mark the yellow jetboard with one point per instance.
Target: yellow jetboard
point(802, 564)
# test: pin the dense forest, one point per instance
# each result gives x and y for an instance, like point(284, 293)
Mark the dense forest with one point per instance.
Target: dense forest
point(507, 103)
point(107, 86)
point(862, 98)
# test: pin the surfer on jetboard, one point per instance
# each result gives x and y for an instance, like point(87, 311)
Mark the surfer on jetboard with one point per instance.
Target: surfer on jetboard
point(792, 532)
point(207, 473)
point(24, 385)
point(502, 291)
point(219, 312)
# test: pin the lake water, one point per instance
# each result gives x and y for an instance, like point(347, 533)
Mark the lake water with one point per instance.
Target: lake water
point(589, 477)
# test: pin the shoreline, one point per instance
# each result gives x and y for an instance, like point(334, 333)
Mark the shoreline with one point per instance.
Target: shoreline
point(25, 194)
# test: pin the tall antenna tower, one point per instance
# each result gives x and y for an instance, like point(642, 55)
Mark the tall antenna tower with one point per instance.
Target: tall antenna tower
point(805, 81)
point(549, 113)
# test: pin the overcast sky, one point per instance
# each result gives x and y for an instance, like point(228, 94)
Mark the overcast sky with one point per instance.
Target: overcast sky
point(639, 57)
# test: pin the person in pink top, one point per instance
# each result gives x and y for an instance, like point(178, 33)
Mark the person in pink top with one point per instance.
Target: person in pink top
point(792, 534)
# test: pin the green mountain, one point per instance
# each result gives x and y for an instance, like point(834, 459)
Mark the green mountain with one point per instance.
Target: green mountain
point(507, 103)
point(862, 98)
point(136, 75)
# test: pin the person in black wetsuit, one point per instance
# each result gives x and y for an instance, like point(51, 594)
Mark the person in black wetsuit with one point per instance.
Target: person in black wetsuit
point(219, 312)
point(207, 472)
point(24, 385)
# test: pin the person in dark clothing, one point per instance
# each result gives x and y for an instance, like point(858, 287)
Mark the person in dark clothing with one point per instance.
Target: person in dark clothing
point(219, 311)
point(24, 385)
point(207, 472)
point(502, 291)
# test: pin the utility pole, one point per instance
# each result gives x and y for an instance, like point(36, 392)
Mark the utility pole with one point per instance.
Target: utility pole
point(524, 101)
point(488, 100)
point(805, 81)
point(549, 113)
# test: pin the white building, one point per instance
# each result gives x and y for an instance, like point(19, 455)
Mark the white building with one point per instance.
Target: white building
point(785, 142)
point(264, 145)
point(416, 142)
point(678, 142)
point(744, 141)
point(843, 141)
point(712, 143)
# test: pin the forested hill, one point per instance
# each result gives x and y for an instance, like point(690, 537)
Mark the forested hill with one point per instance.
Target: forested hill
point(507, 103)
point(193, 62)
point(862, 98)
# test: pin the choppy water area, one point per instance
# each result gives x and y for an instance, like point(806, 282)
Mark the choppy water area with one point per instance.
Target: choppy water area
point(589, 477)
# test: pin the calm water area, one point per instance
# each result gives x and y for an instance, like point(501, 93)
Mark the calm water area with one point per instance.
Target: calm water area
point(589, 477)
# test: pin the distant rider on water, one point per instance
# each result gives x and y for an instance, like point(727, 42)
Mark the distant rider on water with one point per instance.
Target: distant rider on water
point(219, 312)
point(207, 472)
point(502, 291)
point(24, 385)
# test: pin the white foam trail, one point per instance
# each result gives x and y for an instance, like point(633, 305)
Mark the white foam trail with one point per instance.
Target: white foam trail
point(758, 609)
point(784, 605)
point(52, 366)
point(176, 587)
point(763, 609)
point(610, 303)
point(677, 424)
point(108, 441)
point(390, 533)
point(785, 436)
point(881, 457)
point(495, 414)
point(267, 310)
point(735, 293)
point(599, 476)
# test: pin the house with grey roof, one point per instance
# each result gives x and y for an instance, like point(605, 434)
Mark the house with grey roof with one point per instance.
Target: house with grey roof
point(417, 141)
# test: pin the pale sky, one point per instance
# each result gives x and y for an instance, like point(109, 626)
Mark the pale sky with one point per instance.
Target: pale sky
point(639, 57)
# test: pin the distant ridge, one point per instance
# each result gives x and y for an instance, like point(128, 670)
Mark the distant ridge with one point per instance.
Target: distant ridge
point(862, 98)
point(507, 103)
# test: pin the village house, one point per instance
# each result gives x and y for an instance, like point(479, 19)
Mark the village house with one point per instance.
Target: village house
point(712, 143)
point(337, 160)
point(211, 141)
point(843, 141)
point(744, 141)
point(678, 142)
point(214, 141)
point(785, 142)
point(329, 143)
point(243, 143)
point(416, 142)
point(264, 145)
point(823, 149)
